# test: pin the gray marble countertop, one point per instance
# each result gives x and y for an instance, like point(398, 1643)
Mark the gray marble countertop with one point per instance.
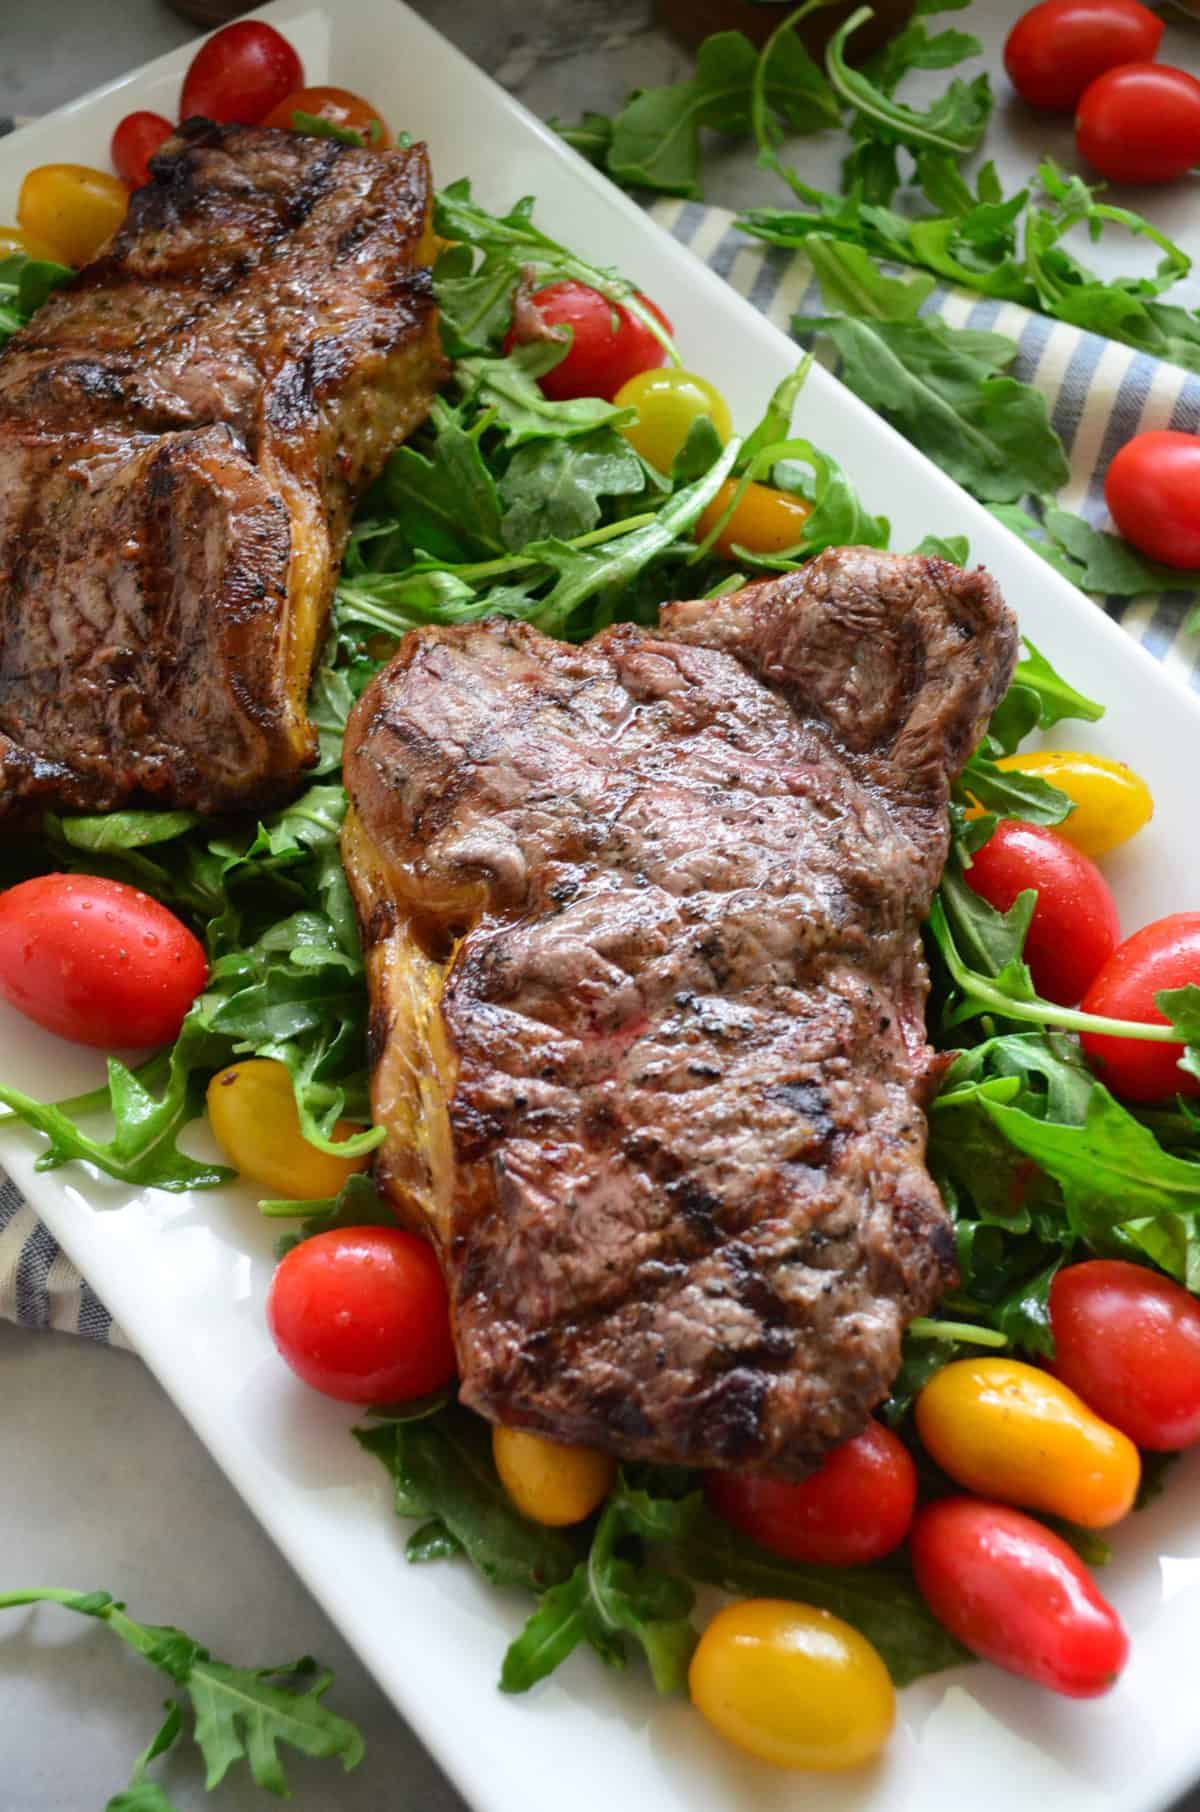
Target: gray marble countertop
point(104, 1485)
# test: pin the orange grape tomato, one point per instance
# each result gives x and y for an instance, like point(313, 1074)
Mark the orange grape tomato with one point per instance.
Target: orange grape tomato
point(72, 208)
point(765, 521)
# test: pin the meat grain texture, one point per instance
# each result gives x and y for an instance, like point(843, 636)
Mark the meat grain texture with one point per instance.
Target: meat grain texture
point(642, 926)
point(184, 429)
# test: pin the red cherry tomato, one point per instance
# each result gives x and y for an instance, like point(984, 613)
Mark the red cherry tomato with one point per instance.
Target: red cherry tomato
point(1128, 1342)
point(1055, 50)
point(856, 1508)
point(1014, 1593)
point(1140, 123)
point(134, 143)
point(608, 345)
point(239, 74)
point(1074, 928)
point(337, 105)
point(96, 961)
point(1165, 954)
point(1153, 491)
point(361, 1314)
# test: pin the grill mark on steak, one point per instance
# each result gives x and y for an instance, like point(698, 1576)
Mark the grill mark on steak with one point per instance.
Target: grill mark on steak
point(681, 1199)
point(184, 429)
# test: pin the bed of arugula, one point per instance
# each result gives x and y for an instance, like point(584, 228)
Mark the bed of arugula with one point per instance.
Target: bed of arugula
point(506, 502)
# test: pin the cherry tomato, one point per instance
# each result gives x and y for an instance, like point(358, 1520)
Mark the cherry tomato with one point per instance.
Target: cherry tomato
point(1153, 491)
point(668, 402)
point(1011, 1431)
point(239, 74)
point(1112, 803)
point(337, 105)
point(549, 1483)
point(1056, 49)
point(134, 143)
point(1140, 123)
point(854, 1509)
point(764, 521)
point(608, 346)
point(1163, 955)
point(15, 243)
point(1015, 1594)
point(1128, 1341)
point(72, 208)
point(96, 961)
point(361, 1314)
point(252, 1111)
point(1074, 928)
point(792, 1685)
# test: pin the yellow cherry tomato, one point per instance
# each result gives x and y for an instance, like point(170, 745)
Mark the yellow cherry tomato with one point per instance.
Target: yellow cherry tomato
point(668, 402)
point(252, 1111)
point(792, 1685)
point(548, 1483)
point(14, 241)
point(1111, 802)
point(72, 208)
point(1013, 1432)
point(764, 521)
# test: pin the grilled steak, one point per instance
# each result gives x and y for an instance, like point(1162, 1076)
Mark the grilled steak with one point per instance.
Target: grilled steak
point(642, 927)
point(183, 431)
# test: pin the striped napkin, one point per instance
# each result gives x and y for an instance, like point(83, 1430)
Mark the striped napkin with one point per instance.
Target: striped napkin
point(1099, 393)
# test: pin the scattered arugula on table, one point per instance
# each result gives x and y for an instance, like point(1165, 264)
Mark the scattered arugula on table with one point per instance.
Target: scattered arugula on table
point(238, 1714)
point(944, 388)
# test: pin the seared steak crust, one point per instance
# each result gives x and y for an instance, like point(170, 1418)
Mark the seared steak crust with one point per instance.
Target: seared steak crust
point(183, 431)
point(688, 1215)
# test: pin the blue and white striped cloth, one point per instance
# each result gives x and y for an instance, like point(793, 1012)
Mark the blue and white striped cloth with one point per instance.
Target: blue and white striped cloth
point(1099, 394)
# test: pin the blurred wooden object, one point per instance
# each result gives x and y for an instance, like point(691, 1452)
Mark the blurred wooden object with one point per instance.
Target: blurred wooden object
point(210, 13)
point(692, 20)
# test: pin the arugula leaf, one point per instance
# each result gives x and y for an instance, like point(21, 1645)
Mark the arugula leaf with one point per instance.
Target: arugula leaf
point(509, 387)
point(565, 1617)
point(1111, 1169)
point(954, 548)
point(1012, 794)
point(25, 283)
point(955, 122)
point(141, 1796)
point(126, 830)
point(553, 488)
point(1037, 698)
point(241, 1714)
point(936, 385)
point(315, 125)
point(655, 140)
point(1110, 565)
point(441, 1466)
point(445, 504)
point(513, 240)
point(142, 1150)
point(882, 1602)
point(852, 282)
point(591, 136)
point(358, 1203)
point(144, 1795)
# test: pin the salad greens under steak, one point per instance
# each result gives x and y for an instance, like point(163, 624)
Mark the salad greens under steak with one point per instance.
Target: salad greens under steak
point(507, 502)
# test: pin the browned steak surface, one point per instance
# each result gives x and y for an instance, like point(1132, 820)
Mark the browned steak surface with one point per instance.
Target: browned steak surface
point(183, 431)
point(680, 1194)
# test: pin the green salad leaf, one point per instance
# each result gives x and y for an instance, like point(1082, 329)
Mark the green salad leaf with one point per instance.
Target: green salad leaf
point(942, 388)
point(239, 1714)
point(25, 283)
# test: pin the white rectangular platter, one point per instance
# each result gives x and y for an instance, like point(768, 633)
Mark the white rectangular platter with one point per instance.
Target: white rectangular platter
point(187, 1276)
